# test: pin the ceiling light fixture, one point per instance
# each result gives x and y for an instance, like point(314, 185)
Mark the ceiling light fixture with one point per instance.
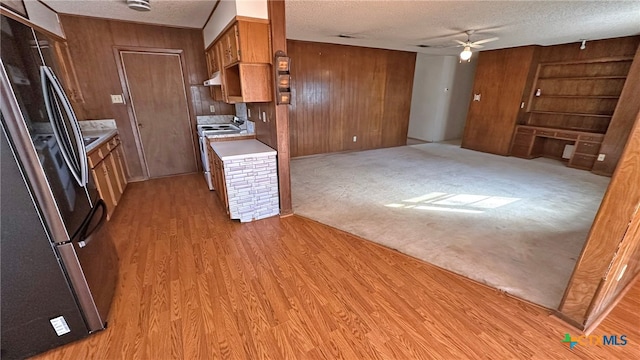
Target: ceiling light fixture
point(140, 5)
point(465, 55)
point(583, 45)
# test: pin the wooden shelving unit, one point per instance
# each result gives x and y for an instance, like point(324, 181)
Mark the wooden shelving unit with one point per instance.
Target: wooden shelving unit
point(577, 95)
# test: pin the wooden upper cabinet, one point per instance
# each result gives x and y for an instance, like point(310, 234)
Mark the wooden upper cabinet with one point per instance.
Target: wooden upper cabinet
point(244, 56)
point(213, 64)
point(246, 41)
point(232, 47)
point(498, 91)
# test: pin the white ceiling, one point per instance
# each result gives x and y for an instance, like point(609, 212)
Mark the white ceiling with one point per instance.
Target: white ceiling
point(402, 25)
point(180, 13)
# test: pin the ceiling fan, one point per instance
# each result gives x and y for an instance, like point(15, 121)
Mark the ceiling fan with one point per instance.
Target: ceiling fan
point(465, 55)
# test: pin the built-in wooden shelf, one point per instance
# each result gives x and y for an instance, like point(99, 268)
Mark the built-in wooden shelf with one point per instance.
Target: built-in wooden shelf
point(583, 77)
point(569, 113)
point(581, 96)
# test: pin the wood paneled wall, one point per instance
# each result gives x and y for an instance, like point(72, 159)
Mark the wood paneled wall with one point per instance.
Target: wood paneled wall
point(339, 92)
point(500, 79)
point(91, 42)
point(612, 223)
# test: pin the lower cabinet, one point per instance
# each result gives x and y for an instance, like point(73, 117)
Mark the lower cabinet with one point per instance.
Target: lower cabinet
point(245, 178)
point(219, 182)
point(531, 142)
point(109, 172)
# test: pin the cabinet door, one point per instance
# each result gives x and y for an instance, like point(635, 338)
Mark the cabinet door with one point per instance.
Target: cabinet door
point(213, 58)
point(219, 93)
point(221, 186)
point(116, 188)
point(254, 42)
point(120, 168)
point(499, 82)
point(224, 49)
point(207, 55)
point(234, 48)
point(67, 71)
point(101, 177)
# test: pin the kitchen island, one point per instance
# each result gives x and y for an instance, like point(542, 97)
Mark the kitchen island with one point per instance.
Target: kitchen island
point(246, 179)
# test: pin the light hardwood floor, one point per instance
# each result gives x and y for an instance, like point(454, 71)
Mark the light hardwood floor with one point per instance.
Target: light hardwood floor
point(196, 285)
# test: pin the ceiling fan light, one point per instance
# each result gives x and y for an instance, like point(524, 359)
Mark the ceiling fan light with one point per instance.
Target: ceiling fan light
point(140, 5)
point(465, 55)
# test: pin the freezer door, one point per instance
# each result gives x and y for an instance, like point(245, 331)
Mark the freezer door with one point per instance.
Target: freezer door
point(35, 292)
point(91, 262)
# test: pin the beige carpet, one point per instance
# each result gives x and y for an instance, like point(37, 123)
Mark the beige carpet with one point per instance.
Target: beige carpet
point(514, 224)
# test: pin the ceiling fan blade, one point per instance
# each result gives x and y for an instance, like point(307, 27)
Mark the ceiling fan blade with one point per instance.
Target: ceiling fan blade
point(476, 46)
point(485, 41)
point(460, 42)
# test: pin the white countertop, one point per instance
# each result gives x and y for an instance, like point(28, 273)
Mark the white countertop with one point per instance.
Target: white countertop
point(228, 150)
point(243, 133)
point(102, 135)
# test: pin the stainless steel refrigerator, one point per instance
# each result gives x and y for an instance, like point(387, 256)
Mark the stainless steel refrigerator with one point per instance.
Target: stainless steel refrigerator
point(59, 265)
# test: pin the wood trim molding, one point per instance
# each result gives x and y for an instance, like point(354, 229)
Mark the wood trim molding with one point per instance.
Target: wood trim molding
point(129, 21)
point(252, 19)
point(48, 6)
point(566, 321)
point(20, 19)
point(117, 50)
point(211, 14)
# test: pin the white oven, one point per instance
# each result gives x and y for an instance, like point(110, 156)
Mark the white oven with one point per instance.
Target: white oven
point(212, 129)
point(204, 155)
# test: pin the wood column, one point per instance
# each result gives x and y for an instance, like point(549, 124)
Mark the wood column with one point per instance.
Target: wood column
point(599, 274)
point(279, 43)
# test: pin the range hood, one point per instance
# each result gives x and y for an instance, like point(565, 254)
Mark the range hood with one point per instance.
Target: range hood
point(215, 80)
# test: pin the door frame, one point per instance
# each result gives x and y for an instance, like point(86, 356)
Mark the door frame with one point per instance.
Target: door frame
point(117, 50)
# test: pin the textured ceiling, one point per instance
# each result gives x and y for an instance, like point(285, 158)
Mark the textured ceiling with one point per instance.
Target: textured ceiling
point(402, 25)
point(181, 13)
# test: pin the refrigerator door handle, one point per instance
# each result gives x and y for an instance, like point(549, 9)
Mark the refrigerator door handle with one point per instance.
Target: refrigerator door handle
point(49, 78)
point(85, 233)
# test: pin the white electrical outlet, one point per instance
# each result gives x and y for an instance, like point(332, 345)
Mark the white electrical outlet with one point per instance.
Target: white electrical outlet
point(355, 138)
point(117, 99)
point(601, 157)
point(212, 108)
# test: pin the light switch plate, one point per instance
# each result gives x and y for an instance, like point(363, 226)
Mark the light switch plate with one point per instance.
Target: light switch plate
point(601, 157)
point(117, 99)
point(212, 108)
